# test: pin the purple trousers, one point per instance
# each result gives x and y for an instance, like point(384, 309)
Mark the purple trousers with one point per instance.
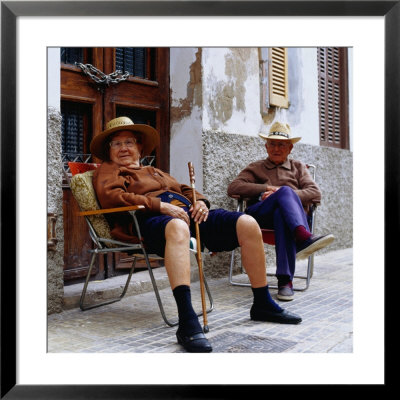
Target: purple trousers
point(283, 212)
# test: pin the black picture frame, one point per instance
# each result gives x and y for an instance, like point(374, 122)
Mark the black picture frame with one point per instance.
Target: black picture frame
point(11, 10)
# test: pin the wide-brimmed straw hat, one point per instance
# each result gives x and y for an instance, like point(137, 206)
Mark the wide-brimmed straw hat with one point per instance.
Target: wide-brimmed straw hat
point(279, 131)
point(150, 137)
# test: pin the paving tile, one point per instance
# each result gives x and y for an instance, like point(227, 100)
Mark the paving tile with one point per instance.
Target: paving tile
point(135, 325)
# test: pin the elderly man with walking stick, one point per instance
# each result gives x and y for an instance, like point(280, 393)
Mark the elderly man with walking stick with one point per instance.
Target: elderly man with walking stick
point(170, 216)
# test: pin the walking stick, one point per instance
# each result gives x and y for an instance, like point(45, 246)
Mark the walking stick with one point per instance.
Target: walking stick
point(198, 253)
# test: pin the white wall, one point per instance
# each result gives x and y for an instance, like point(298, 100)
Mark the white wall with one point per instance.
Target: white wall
point(302, 114)
point(53, 77)
point(231, 90)
point(186, 138)
point(230, 99)
point(231, 93)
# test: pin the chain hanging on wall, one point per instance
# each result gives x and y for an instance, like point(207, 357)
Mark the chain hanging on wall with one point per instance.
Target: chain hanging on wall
point(100, 77)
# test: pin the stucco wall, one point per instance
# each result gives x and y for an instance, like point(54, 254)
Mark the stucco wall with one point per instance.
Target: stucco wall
point(55, 262)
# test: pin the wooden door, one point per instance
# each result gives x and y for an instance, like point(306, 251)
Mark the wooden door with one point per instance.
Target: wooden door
point(86, 106)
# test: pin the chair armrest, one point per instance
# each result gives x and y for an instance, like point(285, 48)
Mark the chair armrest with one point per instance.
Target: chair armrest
point(110, 210)
point(238, 197)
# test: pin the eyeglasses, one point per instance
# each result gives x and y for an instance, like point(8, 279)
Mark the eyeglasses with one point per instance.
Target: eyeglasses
point(117, 144)
point(279, 145)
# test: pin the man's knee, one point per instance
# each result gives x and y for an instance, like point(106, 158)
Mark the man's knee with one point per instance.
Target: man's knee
point(247, 225)
point(285, 190)
point(177, 230)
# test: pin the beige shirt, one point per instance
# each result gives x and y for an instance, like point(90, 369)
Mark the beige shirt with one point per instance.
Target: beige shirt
point(255, 178)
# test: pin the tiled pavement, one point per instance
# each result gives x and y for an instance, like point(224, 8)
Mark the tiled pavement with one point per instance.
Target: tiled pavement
point(135, 325)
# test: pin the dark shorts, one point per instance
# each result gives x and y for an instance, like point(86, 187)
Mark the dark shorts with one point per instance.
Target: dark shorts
point(218, 233)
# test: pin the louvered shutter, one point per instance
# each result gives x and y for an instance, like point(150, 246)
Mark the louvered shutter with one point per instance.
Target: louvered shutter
point(278, 77)
point(333, 102)
point(132, 60)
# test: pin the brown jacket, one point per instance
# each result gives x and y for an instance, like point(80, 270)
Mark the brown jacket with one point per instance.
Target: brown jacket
point(253, 180)
point(120, 186)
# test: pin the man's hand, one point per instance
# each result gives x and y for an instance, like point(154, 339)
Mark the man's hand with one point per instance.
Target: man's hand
point(270, 190)
point(266, 194)
point(174, 211)
point(199, 211)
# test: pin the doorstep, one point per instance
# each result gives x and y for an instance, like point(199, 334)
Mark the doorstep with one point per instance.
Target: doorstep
point(102, 290)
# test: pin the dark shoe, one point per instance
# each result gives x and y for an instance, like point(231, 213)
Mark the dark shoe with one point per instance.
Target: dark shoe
point(197, 343)
point(282, 317)
point(285, 292)
point(311, 245)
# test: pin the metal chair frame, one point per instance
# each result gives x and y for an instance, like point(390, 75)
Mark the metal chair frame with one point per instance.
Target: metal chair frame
point(310, 266)
point(135, 250)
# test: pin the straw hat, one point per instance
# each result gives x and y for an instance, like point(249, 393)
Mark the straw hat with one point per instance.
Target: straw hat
point(280, 131)
point(150, 138)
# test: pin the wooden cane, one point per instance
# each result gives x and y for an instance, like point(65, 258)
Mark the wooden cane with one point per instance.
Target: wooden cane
point(198, 253)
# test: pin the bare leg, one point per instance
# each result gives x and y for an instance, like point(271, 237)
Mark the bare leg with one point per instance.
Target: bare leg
point(252, 247)
point(177, 264)
point(177, 256)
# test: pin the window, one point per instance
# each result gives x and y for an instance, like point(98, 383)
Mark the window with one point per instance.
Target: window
point(75, 125)
point(333, 97)
point(87, 106)
point(274, 78)
point(138, 61)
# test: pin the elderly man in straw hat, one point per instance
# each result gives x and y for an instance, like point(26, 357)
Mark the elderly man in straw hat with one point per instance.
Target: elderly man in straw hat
point(169, 219)
point(280, 189)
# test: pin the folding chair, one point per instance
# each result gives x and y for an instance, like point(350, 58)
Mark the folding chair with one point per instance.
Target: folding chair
point(99, 230)
point(269, 238)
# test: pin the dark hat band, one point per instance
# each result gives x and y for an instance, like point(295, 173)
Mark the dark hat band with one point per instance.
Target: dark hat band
point(279, 134)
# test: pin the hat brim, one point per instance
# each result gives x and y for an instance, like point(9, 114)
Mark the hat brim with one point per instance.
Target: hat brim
point(277, 137)
point(150, 139)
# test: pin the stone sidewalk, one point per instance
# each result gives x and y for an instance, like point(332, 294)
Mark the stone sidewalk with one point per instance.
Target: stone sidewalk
point(135, 325)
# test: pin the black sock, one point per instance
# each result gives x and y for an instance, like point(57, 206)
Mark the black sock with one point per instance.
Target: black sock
point(262, 298)
point(283, 280)
point(188, 320)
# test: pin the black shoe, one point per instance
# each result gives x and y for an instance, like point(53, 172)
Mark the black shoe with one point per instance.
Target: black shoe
point(282, 317)
point(311, 245)
point(196, 343)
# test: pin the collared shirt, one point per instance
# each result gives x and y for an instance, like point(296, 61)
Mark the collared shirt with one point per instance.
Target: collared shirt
point(117, 186)
point(255, 178)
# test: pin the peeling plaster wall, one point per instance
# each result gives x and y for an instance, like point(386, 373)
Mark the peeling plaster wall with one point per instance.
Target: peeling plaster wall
point(231, 90)
point(186, 114)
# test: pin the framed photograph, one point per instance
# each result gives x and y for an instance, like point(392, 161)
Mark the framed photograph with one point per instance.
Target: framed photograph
point(23, 201)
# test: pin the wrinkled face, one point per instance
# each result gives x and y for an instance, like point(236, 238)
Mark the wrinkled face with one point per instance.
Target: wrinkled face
point(278, 150)
point(125, 148)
